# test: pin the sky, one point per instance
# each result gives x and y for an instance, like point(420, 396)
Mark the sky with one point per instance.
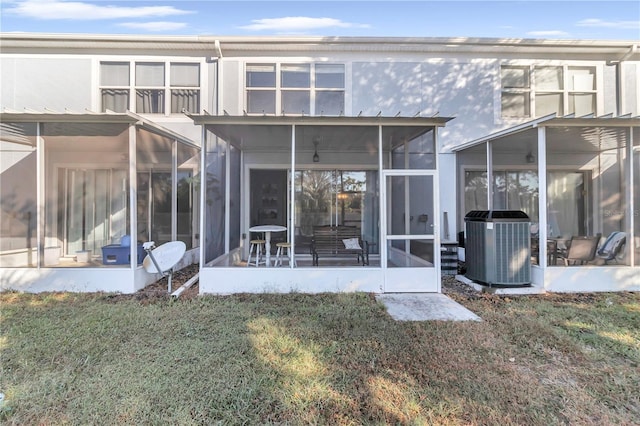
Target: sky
point(598, 20)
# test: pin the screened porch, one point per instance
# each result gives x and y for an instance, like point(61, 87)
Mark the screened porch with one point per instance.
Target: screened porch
point(71, 216)
point(578, 180)
point(318, 182)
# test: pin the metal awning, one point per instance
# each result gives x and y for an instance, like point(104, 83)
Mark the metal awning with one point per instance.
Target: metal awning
point(109, 117)
point(594, 133)
point(339, 133)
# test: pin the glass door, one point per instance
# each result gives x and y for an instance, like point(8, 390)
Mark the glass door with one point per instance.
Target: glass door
point(96, 209)
point(412, 255)
point(566, 198)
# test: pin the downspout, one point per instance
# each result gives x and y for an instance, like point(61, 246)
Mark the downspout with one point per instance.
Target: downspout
point(633, 49)
point(218, 51)
point(203, 151)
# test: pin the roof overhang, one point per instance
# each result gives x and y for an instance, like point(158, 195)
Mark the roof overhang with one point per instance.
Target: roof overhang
point(10, 116)
point(319, 121)
point(338, 134)
point(610, 50)
point(553, 121)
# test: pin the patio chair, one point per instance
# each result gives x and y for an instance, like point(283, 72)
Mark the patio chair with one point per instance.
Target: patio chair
point(613, 247)
point(581, 249)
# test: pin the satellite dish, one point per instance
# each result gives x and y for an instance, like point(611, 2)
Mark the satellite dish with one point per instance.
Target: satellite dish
point(165, 256)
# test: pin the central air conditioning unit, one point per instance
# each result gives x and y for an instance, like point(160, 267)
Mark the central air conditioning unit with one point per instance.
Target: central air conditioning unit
point(498, 247)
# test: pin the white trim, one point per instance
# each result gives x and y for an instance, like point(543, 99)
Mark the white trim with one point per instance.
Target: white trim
point(133, 194)
point(203, 183)
point(291, 193)
point(382, 190)
point(542, 197)
point(630, 197)
point(436, 213)
point(489, 157)
point(227, 198)
point(40, 197)
point(174, 190)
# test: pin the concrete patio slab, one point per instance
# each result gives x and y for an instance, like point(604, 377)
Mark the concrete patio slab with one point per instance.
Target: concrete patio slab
point(425, 307)
point(533, 289)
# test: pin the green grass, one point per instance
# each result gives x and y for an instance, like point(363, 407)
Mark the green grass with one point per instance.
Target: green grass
point(322, 359)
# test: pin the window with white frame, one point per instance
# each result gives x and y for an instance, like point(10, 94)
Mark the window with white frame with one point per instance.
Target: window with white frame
point(535, 91)
point(114, 86)
point(158, 87)
point(185, 87)
point(305, 89)
point(150, 88)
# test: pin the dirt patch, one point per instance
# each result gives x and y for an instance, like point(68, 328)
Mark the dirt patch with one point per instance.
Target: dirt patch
point(452, 286)
point(179, 278)
point(159, 290)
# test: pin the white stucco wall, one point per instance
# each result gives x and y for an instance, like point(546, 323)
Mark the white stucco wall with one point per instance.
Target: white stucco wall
point(39, 83)
point(451, 88)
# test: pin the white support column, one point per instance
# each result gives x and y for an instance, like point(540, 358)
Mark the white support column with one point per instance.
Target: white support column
point(436, 213)
point(489, 176)
point(630, 199)
point(383, 206)
point(292, 203)
point(407, 198)
point(133, 196)
point(542, 196)
point(40, 199)
point(174, 190)
point(227, 198)
point(203, 192)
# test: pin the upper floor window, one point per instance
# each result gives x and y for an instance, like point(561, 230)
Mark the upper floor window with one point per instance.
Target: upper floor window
point(540, 90)
point(114, 83)
point(150, 88)
point(157, 87)
point(311, 89)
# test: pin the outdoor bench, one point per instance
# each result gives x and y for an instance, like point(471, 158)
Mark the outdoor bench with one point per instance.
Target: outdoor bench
point(329, 241)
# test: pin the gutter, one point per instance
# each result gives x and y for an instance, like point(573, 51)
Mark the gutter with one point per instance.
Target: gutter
point(632, 51)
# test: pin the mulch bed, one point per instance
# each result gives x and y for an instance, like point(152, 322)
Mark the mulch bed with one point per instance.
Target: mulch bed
point(450, 286)
point(158, 290)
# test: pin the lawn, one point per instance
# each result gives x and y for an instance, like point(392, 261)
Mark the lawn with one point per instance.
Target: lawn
point(321, 359)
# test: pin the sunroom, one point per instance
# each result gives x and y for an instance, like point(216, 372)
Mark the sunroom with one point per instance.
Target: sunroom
point(304, 189)
point(578, 180)
point(81, 192)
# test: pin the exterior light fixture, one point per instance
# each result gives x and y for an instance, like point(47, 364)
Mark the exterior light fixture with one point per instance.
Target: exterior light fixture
point(316, 157)
point(530, 158)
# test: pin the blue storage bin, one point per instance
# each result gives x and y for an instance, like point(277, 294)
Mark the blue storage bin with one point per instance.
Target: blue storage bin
point(117, 254)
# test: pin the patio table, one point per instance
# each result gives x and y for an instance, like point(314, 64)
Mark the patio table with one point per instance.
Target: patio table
point(268, 229)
